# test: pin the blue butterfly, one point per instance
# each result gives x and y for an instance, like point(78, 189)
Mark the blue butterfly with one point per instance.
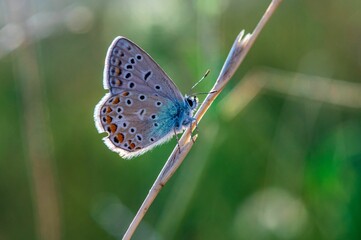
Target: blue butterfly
point(144, 108)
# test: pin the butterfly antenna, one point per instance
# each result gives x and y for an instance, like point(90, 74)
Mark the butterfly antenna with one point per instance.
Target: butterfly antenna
point(204, 76)
point(203, 93)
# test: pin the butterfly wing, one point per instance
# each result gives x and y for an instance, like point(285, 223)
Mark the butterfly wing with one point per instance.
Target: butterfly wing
point(139, 111)
point(127, 63)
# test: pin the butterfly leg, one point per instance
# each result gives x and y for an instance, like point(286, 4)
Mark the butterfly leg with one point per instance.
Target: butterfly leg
point(176, 136)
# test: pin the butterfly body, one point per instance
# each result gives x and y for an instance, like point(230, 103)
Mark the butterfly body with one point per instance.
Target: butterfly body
point(143, 108)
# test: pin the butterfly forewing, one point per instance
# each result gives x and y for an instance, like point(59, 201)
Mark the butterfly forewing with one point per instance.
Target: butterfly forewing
point(132, 125)
point(128, 66)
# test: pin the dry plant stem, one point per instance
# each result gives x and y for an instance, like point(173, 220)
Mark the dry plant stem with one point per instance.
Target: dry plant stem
point(236, 55)
point(162, 178)
point(321, 89)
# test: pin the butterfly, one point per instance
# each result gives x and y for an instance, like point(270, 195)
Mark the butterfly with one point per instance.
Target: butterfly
point(144, 108)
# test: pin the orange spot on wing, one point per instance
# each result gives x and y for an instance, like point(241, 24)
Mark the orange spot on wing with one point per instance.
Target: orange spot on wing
point(109, 119)
point(109, 109)
point(116, 100)
point(120, 137)
point(125, 94)
point(113, 128)
point(117, 71)
point(131, 144)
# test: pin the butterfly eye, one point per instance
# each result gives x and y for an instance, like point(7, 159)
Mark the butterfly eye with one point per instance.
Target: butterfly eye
point(151, 139)
point(132, 61)
point(132, 130)
point(157, 87)
point(190, 102)
point(158, 103)
point(139, 57)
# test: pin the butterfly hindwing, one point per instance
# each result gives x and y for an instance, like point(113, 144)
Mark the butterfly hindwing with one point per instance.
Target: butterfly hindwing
point(135, 122)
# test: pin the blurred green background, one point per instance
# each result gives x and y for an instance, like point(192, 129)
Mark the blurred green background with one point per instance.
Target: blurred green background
point(284, 165)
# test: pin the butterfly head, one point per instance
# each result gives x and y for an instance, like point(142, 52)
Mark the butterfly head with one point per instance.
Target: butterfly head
point(192, 101)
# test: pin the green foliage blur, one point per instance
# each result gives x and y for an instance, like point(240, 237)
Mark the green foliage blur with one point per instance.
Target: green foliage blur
point(283, 167)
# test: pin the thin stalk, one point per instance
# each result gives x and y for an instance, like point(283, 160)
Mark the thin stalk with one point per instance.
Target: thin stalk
point(239, 50)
